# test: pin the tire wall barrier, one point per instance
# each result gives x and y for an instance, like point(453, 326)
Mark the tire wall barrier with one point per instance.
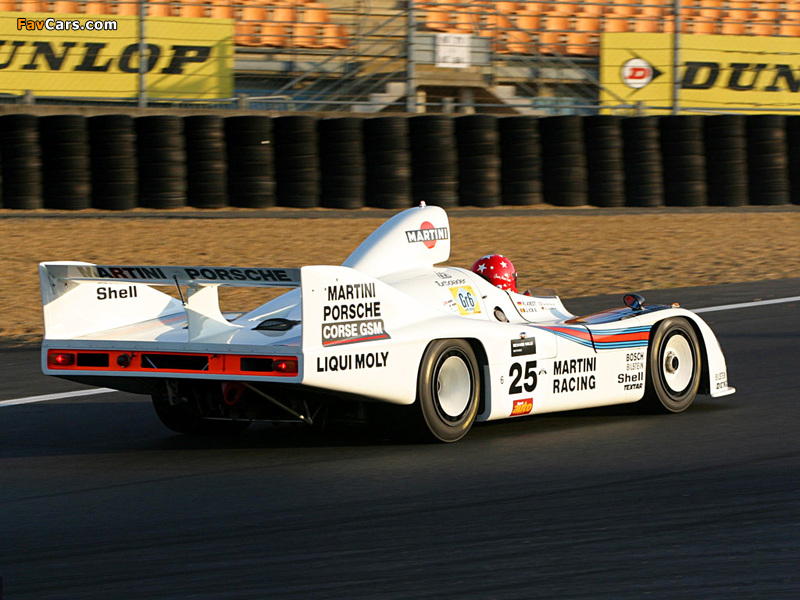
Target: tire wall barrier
point(64, 141)
point(520, 161)
point(249, 159)
point(114, 166)
point(161, 153)
point(21, 158)
point(767, 160)
point(387, 161)
point(684, 161)
point(341, 162)
point(478, 143)
point(297, 167)
point(726, 160)
point(644, 173)
point(564, 174)
point(206, 162)
point(605, 163)
point(118, 162)
point(434, 160)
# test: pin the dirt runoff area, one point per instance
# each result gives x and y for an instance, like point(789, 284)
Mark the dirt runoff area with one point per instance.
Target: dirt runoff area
point(577, 252)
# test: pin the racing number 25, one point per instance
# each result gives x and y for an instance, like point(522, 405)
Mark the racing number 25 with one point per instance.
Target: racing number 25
point(529, 379)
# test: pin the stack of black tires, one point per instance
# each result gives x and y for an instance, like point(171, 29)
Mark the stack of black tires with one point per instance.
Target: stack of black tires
point(20, 155)
point(644, 175)
point(683, 155)
point(249, 153)
point(520, 161)
point(117, 162)
point(296, 161)
point(112, 142)
point(387, 160)
point(564, 161)
point(726, 160)
point(65, 162)
point(162, 162)
point(478, 142)
point(767, 159)
point(434, 160)
point(793, 154)
point(341, 156)
point(206, 172)
point(605, 164)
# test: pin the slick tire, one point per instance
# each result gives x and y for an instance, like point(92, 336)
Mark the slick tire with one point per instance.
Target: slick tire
point(181, 418)
point(674, 365)
point(448, 390)
point(187, 419)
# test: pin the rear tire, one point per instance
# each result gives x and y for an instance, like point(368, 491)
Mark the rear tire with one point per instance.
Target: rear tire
point(448, 390)
point(182, 417)
point(186, 417)
point(674, 364)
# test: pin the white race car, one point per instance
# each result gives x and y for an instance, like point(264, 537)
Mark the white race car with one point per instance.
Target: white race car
point(387, 334)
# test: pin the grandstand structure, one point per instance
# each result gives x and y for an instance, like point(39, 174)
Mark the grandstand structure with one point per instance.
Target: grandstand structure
point(369, 56)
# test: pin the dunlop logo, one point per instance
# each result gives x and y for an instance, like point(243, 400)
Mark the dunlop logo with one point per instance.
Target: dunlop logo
point(90, 56)
point(740, 76)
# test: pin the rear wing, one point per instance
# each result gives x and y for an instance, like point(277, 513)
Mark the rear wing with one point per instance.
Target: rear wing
point(172, 275)
point(80, 298)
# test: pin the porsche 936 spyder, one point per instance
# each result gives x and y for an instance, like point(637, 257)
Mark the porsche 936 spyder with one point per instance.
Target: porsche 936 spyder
point(391, 332)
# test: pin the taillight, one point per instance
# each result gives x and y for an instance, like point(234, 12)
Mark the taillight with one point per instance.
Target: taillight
point(285, 365)
point(178, 362)
point(61, 359)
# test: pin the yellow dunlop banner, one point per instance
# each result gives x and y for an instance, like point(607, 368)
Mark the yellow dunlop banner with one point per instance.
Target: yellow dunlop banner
point(716, 71)
point(53, 54)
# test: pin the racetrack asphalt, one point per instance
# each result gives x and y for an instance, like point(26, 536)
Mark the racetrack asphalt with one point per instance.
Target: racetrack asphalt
point(99, 500)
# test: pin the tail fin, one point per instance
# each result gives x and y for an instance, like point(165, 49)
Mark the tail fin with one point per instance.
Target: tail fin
point(414, 239)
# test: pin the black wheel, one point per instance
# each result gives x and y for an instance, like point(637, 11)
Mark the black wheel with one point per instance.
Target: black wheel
point(674, 364)
point(186, 417)
point(181, 417)
point(448, 389)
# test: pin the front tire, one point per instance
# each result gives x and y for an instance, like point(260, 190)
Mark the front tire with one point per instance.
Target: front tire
point(448, 390)
point(674, 363)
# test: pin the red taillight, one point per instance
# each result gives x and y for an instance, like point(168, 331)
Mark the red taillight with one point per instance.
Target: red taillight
point(61, 359)
point(285, 365)
point(177, 362)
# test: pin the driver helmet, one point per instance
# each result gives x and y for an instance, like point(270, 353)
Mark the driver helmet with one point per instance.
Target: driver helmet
point(498, 271)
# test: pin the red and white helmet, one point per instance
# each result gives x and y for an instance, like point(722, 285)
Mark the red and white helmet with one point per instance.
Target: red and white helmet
point(497, 270)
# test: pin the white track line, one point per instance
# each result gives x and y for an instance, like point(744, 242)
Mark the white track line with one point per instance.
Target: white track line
point(79, 393)
point(61, 396)
point(745, 305)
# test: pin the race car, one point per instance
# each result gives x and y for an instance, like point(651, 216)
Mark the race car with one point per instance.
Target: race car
point(390, 336)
